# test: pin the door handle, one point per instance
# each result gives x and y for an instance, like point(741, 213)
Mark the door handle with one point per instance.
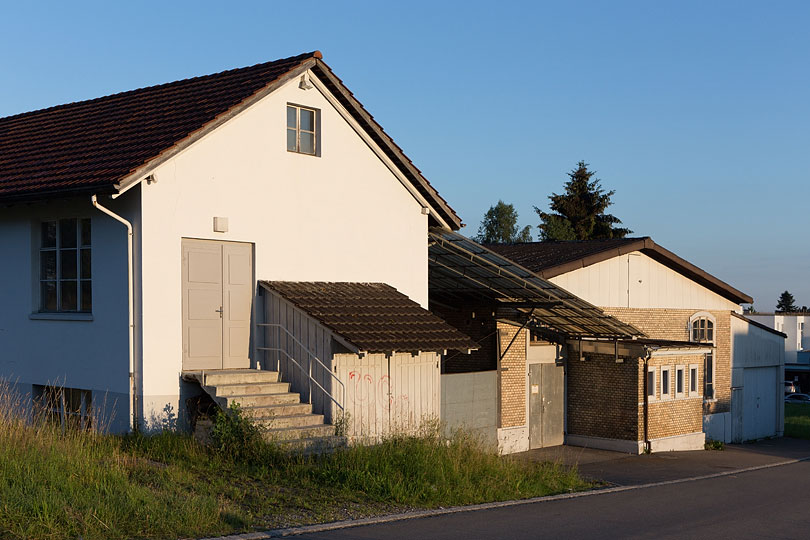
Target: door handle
point(220, 311)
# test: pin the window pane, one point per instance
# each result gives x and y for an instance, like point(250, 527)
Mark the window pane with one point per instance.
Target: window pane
point(47, 265)
point(85, 264)
point(307, 143)
point(69, 296)
point(67, 233)
point(679, 381)
point(67, 259)
point(87, 296)
point(665, 382)
point(693, 380)
point(48, 296)
point(710, 333)
point(709, 369)
point(307, 120)
point(650, 383)
point(291, 120)
point(85, 232)
point(292, 145)
point(49, 234)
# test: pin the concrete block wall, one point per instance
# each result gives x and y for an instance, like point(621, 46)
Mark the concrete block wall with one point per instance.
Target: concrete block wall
point(673, 324)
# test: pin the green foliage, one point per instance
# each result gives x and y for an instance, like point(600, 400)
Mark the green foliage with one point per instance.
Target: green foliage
point(91, 486)
point(579, 213)
point(786, 303)
point(797, 420)
point(711, 444)
point(499, 226)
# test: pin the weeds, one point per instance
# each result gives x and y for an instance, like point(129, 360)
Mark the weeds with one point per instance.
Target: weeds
point(711, 444)
point(93, 486)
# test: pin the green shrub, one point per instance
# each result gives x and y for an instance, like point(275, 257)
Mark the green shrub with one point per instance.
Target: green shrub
point(711, 444)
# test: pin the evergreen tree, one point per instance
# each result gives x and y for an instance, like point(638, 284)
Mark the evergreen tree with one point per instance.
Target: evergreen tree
point(579, 213)
point(499, 226)
point(786, 303)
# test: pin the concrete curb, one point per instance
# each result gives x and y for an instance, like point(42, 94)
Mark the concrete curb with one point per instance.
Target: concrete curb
point(323, 527)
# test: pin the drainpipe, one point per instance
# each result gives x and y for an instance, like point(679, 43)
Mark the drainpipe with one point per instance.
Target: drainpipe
point(133, 395)
point(647, 446)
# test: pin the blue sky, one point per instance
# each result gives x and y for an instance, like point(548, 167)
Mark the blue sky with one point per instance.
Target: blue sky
point(696, 113)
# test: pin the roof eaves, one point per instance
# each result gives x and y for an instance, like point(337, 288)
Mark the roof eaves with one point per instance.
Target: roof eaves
point(141, 172)
point(758, 324)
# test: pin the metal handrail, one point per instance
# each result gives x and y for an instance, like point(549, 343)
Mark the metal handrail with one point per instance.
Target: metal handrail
point(341, 406)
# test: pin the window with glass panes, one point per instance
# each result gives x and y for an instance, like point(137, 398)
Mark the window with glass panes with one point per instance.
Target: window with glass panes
point(64, 266)
point(703, 332)
point(301, 131)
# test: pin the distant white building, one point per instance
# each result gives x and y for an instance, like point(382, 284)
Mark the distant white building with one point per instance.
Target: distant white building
point(797, 345)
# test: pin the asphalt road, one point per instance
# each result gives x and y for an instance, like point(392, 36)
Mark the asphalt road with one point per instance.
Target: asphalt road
point(767, 503)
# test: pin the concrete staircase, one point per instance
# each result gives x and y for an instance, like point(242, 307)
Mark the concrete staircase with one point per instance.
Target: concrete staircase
point(271, 405)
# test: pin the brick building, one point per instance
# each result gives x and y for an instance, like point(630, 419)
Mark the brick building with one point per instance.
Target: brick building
point(668, 298)
point(551, 367)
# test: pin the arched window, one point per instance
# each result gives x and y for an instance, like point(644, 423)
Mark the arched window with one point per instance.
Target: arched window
point(701, 328)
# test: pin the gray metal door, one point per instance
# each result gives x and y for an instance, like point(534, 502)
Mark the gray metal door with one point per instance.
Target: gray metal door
point(545, 405)
point(217, 298)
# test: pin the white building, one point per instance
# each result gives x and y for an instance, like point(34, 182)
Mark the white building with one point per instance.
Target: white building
point(797, 344)
point(135, 227)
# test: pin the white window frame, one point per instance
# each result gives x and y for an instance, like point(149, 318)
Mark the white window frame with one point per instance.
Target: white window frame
point(58, 277)
point(316, 115)
point(696, 391)
point(668, 394)
point(51, 404)
point(680, 371)
point(654, 387)
point(706, 315)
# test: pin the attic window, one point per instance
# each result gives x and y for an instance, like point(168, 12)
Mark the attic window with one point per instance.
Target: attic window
point(302, 136)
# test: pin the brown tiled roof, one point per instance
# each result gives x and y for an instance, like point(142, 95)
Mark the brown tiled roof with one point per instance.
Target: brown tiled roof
point(374, 317)
point(551, 259)
point(92, 146)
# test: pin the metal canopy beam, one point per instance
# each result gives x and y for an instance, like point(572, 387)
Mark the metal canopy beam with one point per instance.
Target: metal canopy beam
point(460, 270)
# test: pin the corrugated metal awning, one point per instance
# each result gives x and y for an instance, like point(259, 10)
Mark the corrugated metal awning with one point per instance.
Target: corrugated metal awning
point(463, 271)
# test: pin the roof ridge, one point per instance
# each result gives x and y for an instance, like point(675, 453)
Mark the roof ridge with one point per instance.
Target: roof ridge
point(126, 93)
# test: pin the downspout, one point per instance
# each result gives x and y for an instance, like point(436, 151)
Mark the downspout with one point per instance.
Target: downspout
point(133, 395)
point(647, 446)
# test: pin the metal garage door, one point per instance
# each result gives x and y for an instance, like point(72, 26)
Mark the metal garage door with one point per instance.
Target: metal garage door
point(759, 402)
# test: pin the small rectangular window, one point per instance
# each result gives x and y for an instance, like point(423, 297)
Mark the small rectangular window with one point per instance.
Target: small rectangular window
point(69, 408)
point(65, 266)
point(650, 383)
point(302, 134)
point(693, 380)
point(680, 375)
point(666, 392)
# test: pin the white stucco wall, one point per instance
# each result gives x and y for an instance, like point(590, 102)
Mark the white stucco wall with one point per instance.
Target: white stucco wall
point(83, 354)
point(340, 216)
point(637, 281)
point(797, 328)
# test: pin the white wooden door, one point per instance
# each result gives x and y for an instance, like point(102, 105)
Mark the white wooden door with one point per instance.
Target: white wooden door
point(759, 402)
point(217, 301)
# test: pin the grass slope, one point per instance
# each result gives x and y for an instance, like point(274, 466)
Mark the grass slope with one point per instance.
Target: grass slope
point(78, 484)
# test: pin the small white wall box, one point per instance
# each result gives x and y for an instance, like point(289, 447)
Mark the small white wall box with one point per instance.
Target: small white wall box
point(220, 224)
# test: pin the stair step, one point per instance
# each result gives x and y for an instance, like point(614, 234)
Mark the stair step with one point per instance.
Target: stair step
point(314, 444)
point(240, 376)
point(281, 409)
point(291, 433)
point(290, 420)
point(264, 400)
point(225, 390)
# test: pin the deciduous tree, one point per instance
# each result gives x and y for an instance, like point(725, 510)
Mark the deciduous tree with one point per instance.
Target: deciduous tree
point(499, 226)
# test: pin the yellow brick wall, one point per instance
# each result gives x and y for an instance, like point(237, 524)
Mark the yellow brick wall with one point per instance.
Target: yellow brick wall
point(676, 416)
point(512, 368)
point(674, 324)
point(603, 396)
